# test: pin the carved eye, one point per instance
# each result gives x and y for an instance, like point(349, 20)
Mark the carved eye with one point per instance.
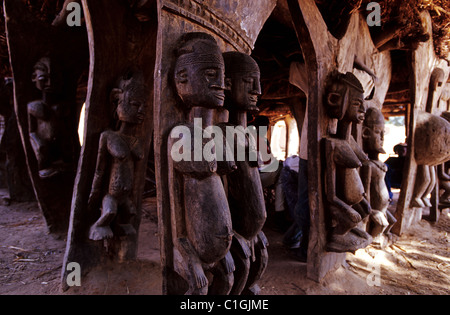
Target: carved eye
point(211, 73)
point(135, 104)
point(249, 80)
point(182, 76)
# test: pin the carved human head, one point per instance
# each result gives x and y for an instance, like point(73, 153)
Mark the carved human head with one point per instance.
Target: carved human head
point(242, 80)
point(41, 74)
point(130, 97)
point(344, 97)
point(373, 131)
point(200, 71)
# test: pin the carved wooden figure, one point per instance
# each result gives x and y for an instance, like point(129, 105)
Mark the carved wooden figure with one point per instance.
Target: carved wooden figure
point(348, 205)
point(431, 138)
point(245, 193)
point(443, 176)
point(48, 99)
point(117, 154)
point(373, 173)
point(18, 179)
point(201, 226)
point(427, 133)
point(50, 136)
point(122, 37)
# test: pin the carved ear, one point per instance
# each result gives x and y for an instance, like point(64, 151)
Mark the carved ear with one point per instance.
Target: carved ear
point(181, 76)
point(228, 84)
point(115, 95)
point(365, 133)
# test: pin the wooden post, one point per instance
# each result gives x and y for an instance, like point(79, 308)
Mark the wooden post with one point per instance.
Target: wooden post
point(118, 41)
point(65, 51)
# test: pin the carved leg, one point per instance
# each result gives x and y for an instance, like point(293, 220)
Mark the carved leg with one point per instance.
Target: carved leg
point(126, 214)
point(350, 242)
point(101, 229)
point(241, 254)
point(444, 200)
point(223, 276)
point(380, 222)
point(431, 184)
point(392, 220)
point(191, 268)
point(258, 266)
point(420, 186)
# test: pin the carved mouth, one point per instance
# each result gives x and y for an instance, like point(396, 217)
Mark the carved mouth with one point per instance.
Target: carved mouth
point(220, 96)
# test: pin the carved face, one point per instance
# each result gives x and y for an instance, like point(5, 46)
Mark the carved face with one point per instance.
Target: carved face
point(356, 108)
point(345, 98)
point(373, 131)
point(201, 85)
point(41, 75)
point(200, 72)
point(242, 81)
point(374, 138)
point(132, 104)
point(244, 90)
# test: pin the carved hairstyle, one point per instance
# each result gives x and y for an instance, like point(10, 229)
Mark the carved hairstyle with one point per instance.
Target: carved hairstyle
point(197, 48)
point(337, 92)
point(132, 82)
point(373, 118)
point(236, 62)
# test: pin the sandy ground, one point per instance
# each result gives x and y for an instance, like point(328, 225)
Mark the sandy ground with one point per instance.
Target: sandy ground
point(31, 262)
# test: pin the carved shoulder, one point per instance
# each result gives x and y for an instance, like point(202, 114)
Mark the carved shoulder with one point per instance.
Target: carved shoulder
point(37, 109)
point(116, 146)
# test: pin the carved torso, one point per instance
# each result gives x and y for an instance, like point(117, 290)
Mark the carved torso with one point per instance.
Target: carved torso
point(204, 202)
point(125, 151)
point(49, 120)
point(349, 186)
point(379, 195)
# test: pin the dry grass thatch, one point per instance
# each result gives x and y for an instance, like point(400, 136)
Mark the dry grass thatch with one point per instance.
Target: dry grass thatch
point(405, 13)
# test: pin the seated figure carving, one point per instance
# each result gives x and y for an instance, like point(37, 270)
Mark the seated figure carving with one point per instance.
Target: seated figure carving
point(345, 193)
point(50, 136)
point(118, 152)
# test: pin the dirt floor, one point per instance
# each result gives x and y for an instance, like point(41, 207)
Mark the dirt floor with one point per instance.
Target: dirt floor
point(31, 262)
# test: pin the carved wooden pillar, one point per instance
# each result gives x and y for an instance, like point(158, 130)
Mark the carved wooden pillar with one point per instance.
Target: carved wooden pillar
point(426, 144)
point(121, 37)
point(47, 62)
point(323, 54)
point(235, 29)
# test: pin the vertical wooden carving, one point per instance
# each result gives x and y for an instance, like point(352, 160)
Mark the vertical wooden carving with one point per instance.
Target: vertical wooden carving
point(427, 146)
point(201, 225)
point(347, 203)
point(324, 54)
point(245, 192)
point(122, 46)
point(45, 87)
point(373, 173)
point(232, 33)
